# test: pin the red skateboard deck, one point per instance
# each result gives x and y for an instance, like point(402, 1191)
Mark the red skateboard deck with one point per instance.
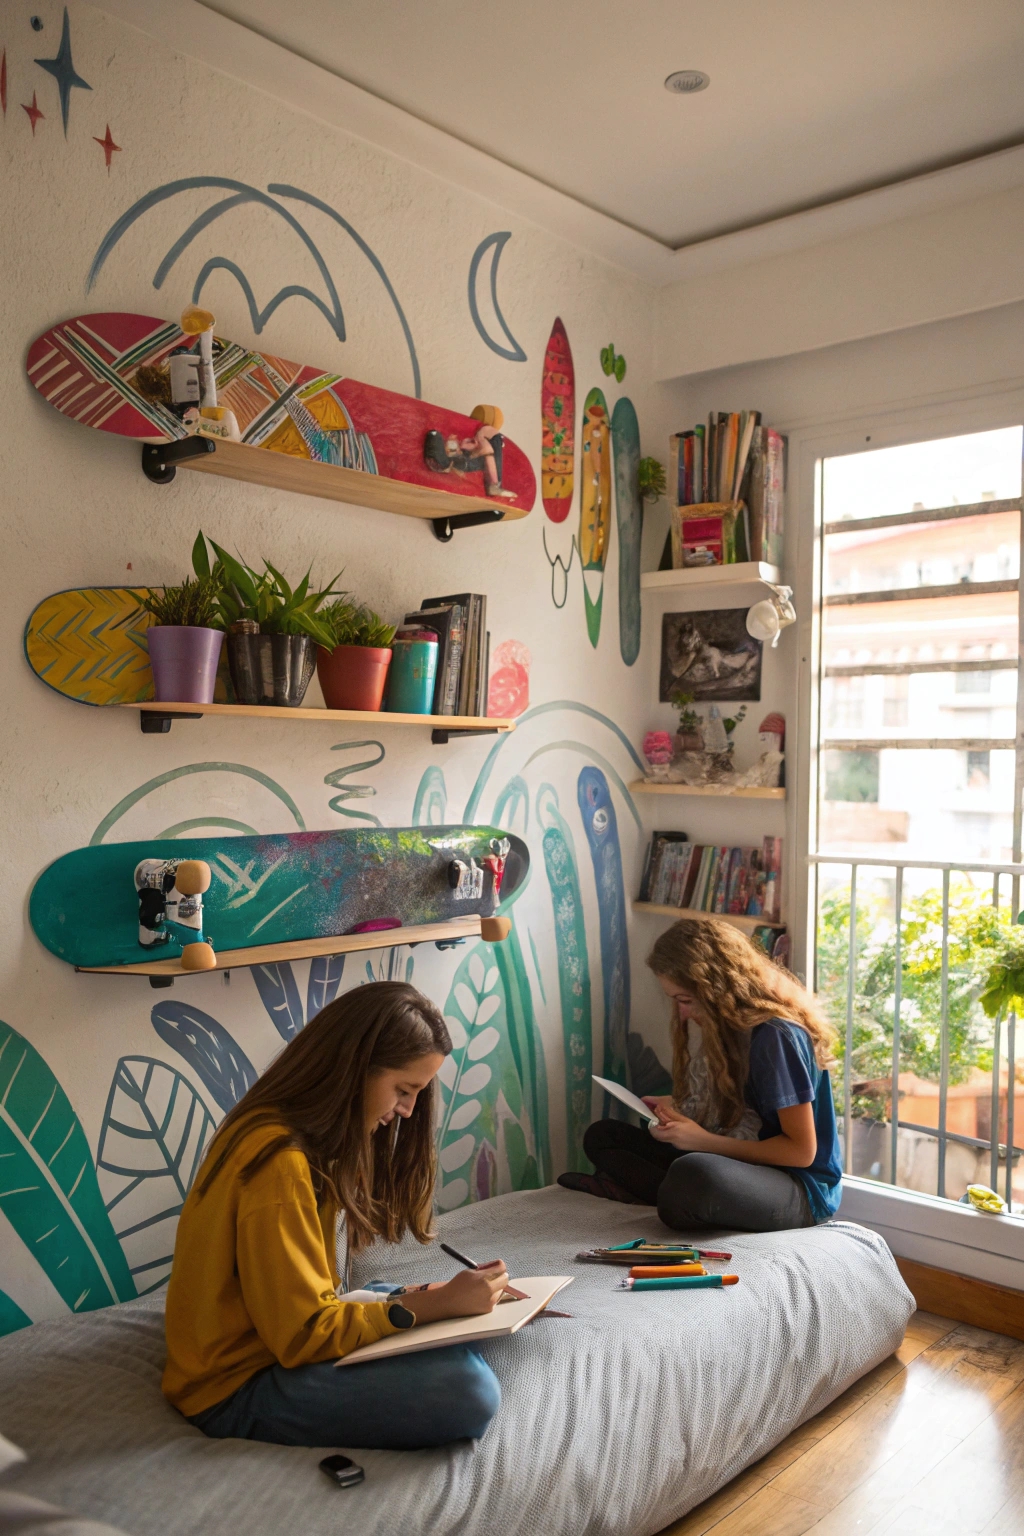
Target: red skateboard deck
point(109, 371)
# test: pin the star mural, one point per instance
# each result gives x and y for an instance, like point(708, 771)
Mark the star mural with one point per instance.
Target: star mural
point(63, 71)
point(34, 113)
point(107, 145)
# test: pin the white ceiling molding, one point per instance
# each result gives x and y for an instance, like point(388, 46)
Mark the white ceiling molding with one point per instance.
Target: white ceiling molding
point(190, 28)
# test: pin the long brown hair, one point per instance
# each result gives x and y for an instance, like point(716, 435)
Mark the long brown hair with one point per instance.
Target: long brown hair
point(736, 987)
point(383, 1180)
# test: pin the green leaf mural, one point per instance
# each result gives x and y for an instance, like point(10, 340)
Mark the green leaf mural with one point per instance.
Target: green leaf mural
point(48, 1187)
point(11, 1316)
point(485, 1140)
point(573, 971)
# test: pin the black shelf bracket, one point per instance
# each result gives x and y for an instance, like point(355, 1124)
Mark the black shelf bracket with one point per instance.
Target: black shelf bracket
point(153, 723)
point(439, 735)
point(445, 527)
point(159, 459)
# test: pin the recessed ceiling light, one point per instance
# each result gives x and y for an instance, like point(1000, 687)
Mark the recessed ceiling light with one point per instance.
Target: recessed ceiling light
point(684, 82)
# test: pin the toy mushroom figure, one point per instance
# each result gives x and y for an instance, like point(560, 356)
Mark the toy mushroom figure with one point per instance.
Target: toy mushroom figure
point(769, 770)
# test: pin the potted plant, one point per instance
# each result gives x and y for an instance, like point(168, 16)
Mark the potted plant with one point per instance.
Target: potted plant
point(353, 669)
point(273, 630)
point(184, 639)
point(689, 737)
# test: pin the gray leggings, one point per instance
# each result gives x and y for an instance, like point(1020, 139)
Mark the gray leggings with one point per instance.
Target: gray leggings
point(697, 1189)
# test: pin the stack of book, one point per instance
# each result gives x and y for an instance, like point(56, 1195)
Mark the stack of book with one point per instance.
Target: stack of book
point(731, 472)
point(464, 648)
point(742, 882)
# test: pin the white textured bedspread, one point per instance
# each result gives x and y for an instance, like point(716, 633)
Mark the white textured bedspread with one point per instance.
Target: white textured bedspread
point(613, 1423)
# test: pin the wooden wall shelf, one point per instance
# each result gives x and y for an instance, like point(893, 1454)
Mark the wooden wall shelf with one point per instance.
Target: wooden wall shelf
point(748, 924)
point(164, 972)
point(157, 717)
point(702, 577)
point(646, 787)
point(282, 472)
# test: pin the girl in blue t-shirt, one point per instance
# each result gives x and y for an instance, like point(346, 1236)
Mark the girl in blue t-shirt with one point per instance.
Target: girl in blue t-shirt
point(747, 1140)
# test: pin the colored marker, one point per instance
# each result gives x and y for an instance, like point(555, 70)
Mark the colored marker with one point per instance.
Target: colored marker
point(683, 1283)
point(658, 1271)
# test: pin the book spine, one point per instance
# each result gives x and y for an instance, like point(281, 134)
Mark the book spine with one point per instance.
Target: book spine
point(698, 463)
point(673, 469)
point(690, 878)
point(457, 635)
point(644, 893)
point(755, 495)
point(480, 694)
point(688, 496)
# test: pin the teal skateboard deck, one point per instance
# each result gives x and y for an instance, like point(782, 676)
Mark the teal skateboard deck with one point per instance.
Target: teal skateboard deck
point(629, 512)
point(279, 890)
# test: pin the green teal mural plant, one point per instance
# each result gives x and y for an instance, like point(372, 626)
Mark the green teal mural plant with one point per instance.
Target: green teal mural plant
point(217, 1060)
point(11, 1316)
point(602, 831)
point(337, 779)
point(573, 970)
point(48, 1187)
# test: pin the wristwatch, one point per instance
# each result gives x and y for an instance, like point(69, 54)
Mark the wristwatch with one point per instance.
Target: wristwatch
point(399, 1316)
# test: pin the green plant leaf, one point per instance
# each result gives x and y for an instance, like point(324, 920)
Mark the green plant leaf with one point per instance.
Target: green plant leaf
point(620, 368)
point(11, 1316)
point(201, 556)
point(48, 1187)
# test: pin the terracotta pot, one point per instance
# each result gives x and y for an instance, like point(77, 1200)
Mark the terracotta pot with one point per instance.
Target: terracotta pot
point(353, 676)
point(688, 741)
point(184, 660)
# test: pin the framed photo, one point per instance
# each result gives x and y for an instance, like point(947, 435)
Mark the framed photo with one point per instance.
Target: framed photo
point(710, 655)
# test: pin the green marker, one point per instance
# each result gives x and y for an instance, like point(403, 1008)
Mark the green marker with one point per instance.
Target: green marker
point(681, 1283)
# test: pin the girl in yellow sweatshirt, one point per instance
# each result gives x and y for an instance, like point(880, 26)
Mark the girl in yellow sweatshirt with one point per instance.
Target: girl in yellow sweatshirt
point(339, 1125)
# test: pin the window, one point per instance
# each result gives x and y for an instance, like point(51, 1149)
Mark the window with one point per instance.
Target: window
point(919, 640)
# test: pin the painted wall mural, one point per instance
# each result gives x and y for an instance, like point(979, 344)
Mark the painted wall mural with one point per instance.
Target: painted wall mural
point(495, 243)
point(595, 506)
point(508, 693)
point(629, 519)
point(558, 425)
point(109, 1222)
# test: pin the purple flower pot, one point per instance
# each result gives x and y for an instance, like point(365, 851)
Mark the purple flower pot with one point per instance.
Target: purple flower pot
point(184, 661)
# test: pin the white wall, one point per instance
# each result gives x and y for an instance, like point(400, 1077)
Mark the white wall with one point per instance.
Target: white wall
point(77, 511)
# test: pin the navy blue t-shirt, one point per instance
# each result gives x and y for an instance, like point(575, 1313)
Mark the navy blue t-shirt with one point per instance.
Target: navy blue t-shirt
point(783, 1072)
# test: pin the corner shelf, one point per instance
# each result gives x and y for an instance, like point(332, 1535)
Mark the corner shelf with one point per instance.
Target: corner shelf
point(747, 924)
point(649, 787)
point(165, 972)
point(156, 718)
point(697, 577)
point(282, 472)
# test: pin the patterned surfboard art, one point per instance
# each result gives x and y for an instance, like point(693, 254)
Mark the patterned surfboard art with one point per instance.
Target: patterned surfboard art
point(629, 518)
point(558, 426)
point(595, 506)
point(86, 644)
point(110, 371)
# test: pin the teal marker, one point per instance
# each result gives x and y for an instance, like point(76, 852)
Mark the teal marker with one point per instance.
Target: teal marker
point(681, 1283)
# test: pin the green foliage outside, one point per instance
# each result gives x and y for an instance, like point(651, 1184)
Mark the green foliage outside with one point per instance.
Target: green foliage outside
point(978, 936)
point(851, 776)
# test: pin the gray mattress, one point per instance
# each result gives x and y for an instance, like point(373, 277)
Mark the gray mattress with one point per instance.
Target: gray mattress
point(612, 1424)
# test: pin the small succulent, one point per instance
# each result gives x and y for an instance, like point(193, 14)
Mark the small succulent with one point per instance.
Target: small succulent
point(651, 479)
point(612, 363)
point(192, 605)
point(352, 624)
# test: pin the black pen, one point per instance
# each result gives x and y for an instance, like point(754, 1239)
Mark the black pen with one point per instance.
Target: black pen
point(508, 1294)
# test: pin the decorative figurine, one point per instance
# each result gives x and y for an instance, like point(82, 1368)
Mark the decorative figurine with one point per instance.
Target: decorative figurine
point(472, 454)
point(210, 419)
point(495, 862)
point(171, 907)
point(768, 771)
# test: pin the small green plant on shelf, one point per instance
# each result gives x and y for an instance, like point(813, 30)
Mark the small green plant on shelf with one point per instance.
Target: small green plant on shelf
point(651, 479)
point(263, 597)
point(195, 604)
point(731, 724)
point(353, 624)
point(689, 720)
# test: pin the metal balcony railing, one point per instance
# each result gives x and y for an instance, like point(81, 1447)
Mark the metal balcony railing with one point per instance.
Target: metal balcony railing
point(998, 1149)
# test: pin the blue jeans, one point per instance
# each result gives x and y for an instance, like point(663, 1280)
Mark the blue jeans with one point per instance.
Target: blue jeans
point(402, 1404)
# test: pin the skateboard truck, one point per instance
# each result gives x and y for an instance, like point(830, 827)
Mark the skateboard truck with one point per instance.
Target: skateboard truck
point(159, 459)
point(170, 895)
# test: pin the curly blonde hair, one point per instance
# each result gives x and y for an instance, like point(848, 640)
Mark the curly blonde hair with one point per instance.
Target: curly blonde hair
point(736, 987)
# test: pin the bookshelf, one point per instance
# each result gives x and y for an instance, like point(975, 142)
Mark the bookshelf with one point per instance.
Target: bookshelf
point(747, 924)
point(646, 787)
point(714, 577)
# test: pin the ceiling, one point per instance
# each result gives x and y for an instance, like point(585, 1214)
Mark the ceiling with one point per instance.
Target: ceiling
point(809, 102)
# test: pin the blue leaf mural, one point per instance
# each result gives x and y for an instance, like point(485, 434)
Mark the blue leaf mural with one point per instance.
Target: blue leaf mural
point(325, 973)
point(154, 1133)
point(602, 831)
point(573, 971)
point(209, 1049)
point(276, 986)
point(48, 1187)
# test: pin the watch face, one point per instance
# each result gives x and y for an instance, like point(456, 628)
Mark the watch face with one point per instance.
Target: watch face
point(400, 1316)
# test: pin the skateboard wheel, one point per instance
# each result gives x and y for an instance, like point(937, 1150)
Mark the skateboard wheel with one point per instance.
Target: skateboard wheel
point(193, 877)
point(494, 929)
point(198, 957)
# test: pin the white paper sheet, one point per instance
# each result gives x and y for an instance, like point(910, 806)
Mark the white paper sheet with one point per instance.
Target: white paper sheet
point(629, 1099)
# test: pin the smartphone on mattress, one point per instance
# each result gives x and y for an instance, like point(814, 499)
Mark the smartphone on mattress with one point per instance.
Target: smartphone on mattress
point(343, 1471)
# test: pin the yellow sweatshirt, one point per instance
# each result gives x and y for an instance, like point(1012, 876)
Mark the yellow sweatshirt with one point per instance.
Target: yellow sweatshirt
point(253, 1280)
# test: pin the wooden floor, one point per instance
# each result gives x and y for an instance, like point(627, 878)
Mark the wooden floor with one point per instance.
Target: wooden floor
point(930, 1443)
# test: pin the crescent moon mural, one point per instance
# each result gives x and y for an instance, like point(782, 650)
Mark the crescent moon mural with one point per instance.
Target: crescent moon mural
point(495, 243)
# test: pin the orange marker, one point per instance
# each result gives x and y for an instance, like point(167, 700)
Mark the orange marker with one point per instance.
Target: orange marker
point(655, 1271)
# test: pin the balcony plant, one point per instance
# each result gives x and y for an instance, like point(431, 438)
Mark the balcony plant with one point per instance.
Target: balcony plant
point(184, 639)
point(273, 629)
point(353, 668)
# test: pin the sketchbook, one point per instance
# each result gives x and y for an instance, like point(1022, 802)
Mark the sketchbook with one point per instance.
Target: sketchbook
point(498, 1324)
point(629, 1099)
